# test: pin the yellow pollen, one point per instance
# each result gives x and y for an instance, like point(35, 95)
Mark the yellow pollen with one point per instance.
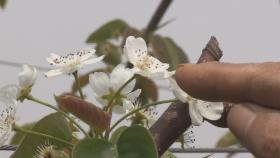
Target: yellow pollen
point(144, 63)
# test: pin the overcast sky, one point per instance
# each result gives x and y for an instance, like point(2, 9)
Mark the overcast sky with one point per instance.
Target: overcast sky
point(248, 31)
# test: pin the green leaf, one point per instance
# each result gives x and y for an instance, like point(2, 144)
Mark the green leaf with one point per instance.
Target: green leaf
point(112, 29)
point(117, 133)
point(3, 3)
point(136, 142)
point(112, 53)
point(18, 137)
point(149, 89)
point(53, 124)
point(166, 50)
point(228, 139)
point(94, 148)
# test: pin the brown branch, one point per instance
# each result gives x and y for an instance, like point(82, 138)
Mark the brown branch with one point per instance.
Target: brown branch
point(153, 24)
point(175, 120)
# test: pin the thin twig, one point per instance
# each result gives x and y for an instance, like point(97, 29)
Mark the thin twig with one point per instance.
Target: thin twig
point(209, 150)
point(22, 130)
point(153, 24)
point(16, 64)
point(174, 150)
point(78, 84)
point(60, 111)
point(8, 148)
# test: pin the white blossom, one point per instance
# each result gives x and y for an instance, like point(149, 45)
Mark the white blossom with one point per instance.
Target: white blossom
point(8, 95)
point(147, 115)
point(71, 62)
point(198, 109)
point(144, 64)
point(105, 86)
point(27, 76)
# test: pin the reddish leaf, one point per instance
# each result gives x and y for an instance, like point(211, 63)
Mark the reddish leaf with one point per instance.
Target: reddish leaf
point(86, 111)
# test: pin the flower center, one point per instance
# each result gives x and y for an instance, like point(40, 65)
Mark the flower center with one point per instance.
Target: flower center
point(144, 63)
point(110, 95)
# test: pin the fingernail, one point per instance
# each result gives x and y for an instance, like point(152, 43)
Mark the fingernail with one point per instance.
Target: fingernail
point(239, 120)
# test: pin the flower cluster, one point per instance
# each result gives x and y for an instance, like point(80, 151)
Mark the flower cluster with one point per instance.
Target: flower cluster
point(115, 91)
point(105, 87)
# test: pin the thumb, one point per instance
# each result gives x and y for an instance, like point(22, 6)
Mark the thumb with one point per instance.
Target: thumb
point(257, 129)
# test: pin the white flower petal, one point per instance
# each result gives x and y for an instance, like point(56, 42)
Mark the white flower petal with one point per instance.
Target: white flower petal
point(119, 109)
point(100, 83)
point(129, 87)
point(8, 106)
point(27, 76)
point(119, 76)
point(135, 49)
point(72, 62)
point(88, 53)
point(158, 75)
point(54, 72)
point(128, 105)
point(156, 65)
point(93, 60)
point(54, 56)
point(177, 91)
point(210, 110)
point(9, 93)
point(195, 115)
point(132, 96)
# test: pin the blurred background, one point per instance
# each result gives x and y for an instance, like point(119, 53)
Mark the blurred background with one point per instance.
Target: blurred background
point(248, 31)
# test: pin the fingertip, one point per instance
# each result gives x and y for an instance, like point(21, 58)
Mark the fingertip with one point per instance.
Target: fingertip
point(182, 75)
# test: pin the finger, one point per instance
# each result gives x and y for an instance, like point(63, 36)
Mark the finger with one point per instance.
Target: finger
point(213, 81)
point(257, 129)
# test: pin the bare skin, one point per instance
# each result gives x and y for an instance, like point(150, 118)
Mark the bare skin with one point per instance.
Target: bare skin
point(255, 90)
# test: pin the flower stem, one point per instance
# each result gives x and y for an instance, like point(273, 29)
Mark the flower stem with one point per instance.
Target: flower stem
point(19, 129)
point(78, 84)
point(58, 110)
point(110, 104)
point(143, 107)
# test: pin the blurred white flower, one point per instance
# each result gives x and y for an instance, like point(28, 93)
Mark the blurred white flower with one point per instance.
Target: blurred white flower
point(8, 96)
point(145, 116)
point(27, 76)
point(104, 87)
point(197, 108)
point(136, 52)
point(71, 62)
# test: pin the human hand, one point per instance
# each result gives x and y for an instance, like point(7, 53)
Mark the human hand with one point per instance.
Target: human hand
point(255, 88)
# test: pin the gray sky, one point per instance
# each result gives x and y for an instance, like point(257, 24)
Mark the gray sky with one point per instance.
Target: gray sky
point(248, 31)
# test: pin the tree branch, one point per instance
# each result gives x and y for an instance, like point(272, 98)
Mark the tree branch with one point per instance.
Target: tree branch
point(153, 24)
point(175, 120)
